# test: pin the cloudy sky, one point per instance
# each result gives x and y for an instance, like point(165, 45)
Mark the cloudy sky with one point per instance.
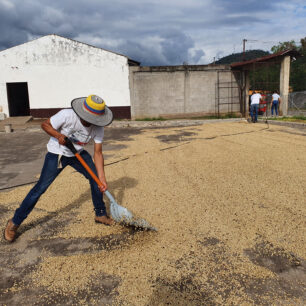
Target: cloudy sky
point(157, 32)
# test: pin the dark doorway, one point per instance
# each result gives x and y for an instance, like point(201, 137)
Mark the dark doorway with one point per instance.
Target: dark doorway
point(18, 99)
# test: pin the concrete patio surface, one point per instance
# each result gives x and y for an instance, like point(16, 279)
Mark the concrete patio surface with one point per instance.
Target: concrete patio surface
point(228, 199)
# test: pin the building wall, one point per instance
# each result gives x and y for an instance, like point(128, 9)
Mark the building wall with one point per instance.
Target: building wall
point(58, 70)
point(174, 91)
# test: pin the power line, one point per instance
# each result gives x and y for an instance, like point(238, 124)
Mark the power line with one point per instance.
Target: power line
point(269, 41)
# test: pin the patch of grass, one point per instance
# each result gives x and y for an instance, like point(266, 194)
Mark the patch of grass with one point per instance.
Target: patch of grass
point(290, 119)
point(231, 115)
point(202, 117)
point(225, 116)
point(151, 119)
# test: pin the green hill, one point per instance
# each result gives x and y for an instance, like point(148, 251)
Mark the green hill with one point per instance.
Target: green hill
point(238, 57)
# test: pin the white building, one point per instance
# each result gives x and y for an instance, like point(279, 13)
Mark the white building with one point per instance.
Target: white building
point(42, 76)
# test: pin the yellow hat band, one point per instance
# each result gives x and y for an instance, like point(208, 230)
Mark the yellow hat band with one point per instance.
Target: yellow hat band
point(95, 105)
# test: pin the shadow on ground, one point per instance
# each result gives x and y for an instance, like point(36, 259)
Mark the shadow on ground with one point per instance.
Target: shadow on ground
point(223, 276)
point(37, 240)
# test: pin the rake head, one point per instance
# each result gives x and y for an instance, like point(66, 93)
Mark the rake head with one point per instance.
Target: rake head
point(122, 215)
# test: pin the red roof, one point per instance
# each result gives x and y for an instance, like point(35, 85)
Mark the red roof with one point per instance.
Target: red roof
point(290, 52)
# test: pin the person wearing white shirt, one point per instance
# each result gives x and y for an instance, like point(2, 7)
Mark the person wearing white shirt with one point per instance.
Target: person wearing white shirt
point(255, 100)
point(84, 121)
point(275, 102)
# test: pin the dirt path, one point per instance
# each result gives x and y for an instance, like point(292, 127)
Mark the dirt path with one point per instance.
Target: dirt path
point(229, 204)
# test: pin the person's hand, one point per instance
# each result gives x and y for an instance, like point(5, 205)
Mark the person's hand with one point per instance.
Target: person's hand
point(61, 139)
point(104, 185)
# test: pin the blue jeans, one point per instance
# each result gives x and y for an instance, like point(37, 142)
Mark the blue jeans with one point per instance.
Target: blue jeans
point(48, 174)
point(254, 111)
point(275, 106)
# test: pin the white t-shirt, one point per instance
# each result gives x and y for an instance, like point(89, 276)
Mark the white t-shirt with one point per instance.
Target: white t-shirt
point(255, 99)
point(68, 123)
point(275, 97)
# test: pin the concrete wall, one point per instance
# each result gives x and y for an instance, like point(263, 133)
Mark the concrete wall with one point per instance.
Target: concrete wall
point(174, 91)
point(58, 70)
point(284, 84)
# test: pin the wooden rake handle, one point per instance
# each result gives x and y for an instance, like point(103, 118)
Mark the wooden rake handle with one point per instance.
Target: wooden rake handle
point(71, 147)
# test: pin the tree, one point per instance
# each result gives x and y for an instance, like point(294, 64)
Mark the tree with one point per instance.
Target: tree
point(284, 46)
point(298, 66)
point(298, 69)
point(303, 44)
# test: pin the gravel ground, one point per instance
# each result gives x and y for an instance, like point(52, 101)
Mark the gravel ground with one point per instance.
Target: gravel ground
point(228, 200)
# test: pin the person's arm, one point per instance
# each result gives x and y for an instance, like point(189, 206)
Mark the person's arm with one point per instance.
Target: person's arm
point(99, 163)
point(279, 100)
point(48, 128)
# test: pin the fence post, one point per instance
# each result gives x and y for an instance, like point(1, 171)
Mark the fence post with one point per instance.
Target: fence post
point(247, 88)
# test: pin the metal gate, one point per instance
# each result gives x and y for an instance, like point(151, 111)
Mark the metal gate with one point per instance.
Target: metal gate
point(229, 95)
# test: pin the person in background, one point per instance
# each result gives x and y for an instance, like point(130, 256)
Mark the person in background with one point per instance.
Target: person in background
point(255, 100)
point(275, 102)
point(85, 120)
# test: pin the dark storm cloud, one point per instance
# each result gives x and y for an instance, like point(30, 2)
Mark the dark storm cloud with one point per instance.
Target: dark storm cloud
point(142, 53)
point(154, 32)
point(175, 46)
point(173, 50)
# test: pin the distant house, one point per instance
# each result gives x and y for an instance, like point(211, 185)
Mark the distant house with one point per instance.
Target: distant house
point(42, 76)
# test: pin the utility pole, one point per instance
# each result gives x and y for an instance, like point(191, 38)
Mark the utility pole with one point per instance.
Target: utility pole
point(243, 54)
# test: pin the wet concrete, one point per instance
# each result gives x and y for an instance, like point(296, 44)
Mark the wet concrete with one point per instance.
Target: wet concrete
point(21, 157)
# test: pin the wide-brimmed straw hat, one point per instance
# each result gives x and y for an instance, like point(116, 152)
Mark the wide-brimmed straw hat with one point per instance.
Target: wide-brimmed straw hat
point(93, 110)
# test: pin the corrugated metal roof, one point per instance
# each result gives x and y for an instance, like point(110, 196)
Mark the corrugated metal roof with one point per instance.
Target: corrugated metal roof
point(266, 58)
